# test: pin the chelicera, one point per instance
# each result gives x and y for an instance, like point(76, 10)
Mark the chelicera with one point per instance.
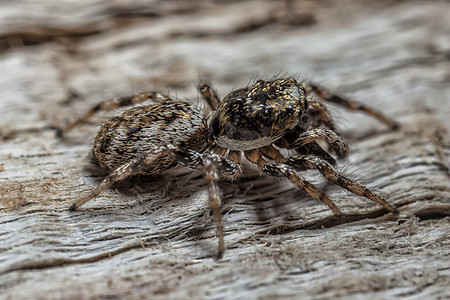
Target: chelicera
point(254, 123)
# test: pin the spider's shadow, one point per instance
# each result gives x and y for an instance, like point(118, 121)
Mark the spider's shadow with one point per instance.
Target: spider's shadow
point(276, 205)
point(156, 192)
point(269, 198)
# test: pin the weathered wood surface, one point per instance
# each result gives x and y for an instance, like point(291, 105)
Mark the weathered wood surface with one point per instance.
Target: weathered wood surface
point(155, 237)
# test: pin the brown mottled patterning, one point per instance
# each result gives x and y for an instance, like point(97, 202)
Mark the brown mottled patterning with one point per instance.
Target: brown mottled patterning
point(144, 128)
point(256, 121)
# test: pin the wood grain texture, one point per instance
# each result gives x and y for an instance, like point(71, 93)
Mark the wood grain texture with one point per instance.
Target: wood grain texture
point(154, 237)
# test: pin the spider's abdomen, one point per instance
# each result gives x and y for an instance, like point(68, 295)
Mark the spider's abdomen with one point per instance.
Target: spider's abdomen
point(143, 128)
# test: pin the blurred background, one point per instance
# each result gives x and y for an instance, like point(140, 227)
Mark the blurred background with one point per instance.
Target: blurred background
point(59, 58)
point(78, 53)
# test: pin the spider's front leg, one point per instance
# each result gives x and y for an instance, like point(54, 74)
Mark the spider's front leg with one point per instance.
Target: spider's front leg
point(284, 170)
point(325, 117)
point(337, 143)
point(111, 104)
point(350, 104)
point(313, 162)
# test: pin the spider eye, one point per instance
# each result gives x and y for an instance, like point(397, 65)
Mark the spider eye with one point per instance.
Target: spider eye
point(265, 113)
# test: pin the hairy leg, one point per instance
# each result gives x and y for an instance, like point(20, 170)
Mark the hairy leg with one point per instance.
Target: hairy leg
point(235, 156)
point(310, 148)
point(111, 104)
point(337, 143)
point(272, 153)
point(284, 170)
point(209, 95)
point(315, 149)
point(128, 169)
point(211, 163)
point(212, 177)
point(325, 117)
point(351, 104)
point(314, 162)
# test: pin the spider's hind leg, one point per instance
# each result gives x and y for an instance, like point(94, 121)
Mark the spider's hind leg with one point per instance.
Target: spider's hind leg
point(213, 164)
point(111, 104)
point(126, 170)
point(209, 95)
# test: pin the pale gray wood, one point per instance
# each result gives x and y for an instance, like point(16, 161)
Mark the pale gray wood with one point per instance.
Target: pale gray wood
point(155, 237)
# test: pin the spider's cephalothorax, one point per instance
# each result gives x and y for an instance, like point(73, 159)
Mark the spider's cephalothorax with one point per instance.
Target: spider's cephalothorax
point(256, 121)
point(258, 115)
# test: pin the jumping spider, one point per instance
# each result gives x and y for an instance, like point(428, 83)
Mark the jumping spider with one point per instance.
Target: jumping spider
point(256, 121)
